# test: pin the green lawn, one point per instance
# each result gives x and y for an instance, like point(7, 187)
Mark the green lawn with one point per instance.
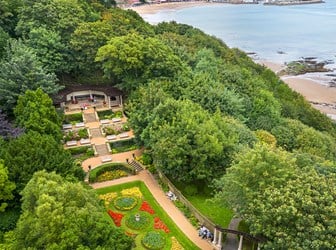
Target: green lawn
point(159, 212)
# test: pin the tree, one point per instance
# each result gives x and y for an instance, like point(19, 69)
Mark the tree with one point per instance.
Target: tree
point(21, 71)
point(32, 152)
point(4, 38)
point(8, 15)
point(6, 187)
point(290, 205)
point(48, 48)
point(134, 59)
point(7, 130)
point(57, 214)
point(35, 111)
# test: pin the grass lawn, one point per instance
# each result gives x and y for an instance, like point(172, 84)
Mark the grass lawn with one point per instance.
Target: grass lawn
point(174, 231)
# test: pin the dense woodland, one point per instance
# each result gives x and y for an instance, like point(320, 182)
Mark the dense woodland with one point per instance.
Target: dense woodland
point(207, 115)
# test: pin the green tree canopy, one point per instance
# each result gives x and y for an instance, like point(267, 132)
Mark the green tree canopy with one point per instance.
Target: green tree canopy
point(57, 214)
point(289, 205)
point(32, 152)
point(20, 70)
point(35, 111)
point(134, 59)
point(6, 187)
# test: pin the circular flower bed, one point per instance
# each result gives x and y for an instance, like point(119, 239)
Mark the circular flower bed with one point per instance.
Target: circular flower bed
point(153, 240)
point(138, 221)
point(125, 203)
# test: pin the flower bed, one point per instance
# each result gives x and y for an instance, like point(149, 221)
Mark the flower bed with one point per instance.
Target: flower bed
point(138, 221)
point(175, 244)
point(75, 135)
point(159, 224)
point(123, 146)
point(73, 118)
point(108, 197)
point(116, 217)
point(111, 175)
point(135, 191)
point(125, 203)
point(153, 240)
point(146, 207)
point(109, 114)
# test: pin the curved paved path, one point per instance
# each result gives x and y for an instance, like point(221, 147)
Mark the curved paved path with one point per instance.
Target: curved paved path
point(174, 213)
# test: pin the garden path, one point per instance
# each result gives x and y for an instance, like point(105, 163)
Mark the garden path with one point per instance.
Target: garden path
point(175, 214)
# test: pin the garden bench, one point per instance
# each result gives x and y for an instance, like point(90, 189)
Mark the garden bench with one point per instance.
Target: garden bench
point(84, 141)
point(106, 159)
point(67, 126)
point(80, 124)
point(116, 119)
point(111, 137)
point(105, 121)
point(71, 143)
point(124, 135)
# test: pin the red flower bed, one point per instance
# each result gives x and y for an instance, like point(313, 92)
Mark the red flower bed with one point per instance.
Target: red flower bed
point(146, 207)
point(116, 217)
point(158, 224)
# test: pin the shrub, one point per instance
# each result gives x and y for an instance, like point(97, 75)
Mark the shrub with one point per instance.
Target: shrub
point(125, 203)
point(146, 159)
point(140, 224)
point(74, 135)
point(125, 127)
point(123, 146)
point(105, 114)
point(73, 118)
point(153, 240)
point(83, 133)
point(190, 190)
point(109, 131)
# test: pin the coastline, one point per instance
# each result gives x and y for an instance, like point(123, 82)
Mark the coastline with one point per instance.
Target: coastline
point(157, 7)
point(320, 96)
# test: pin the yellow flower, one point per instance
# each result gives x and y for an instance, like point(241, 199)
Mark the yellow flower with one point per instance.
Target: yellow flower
point(175, 244)
point(108, 197)
point(135, 191)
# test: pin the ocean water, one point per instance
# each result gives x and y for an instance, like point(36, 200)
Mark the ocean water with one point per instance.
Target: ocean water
point(275, 33)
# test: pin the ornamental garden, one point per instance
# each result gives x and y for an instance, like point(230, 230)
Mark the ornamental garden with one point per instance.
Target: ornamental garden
point(132, 207)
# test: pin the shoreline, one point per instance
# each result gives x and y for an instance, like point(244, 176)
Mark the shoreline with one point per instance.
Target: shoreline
point(321, 97)
point(168, 6)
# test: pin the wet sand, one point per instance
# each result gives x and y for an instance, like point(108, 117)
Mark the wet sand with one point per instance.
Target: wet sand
point(322, 97)
point(156, 7)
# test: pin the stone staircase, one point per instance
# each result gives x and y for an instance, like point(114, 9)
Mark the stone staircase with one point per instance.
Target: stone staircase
point(134, 164)
point(95, 132)
point(90, 117)
point(102, 149)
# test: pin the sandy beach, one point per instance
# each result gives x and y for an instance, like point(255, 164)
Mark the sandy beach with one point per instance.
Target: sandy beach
point(156, 7)
point(322, 97)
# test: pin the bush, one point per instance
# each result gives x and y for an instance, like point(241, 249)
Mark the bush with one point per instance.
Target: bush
point(83, 133)
point(109, 131)
point(123, 146)
point(146, 159)
point(105, 114)
point(153, 240)
point(109, 167)
point(190, 190)
point(73, 118)
point(8, 220)
point(74, 135)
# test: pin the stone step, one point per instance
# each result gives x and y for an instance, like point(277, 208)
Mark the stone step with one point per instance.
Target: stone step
point(135, 165)
point(102, 149)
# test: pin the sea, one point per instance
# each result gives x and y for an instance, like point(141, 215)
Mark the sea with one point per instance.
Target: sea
point(277, 34)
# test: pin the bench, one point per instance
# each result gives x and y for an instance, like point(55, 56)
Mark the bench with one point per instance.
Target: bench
point(71, 143)
point(84, 141)
point(124, 135)
point(116, 119)
point(105, 121)
point(111, 137)
point(106, 159)
point(80, 124)
point(67, 126)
